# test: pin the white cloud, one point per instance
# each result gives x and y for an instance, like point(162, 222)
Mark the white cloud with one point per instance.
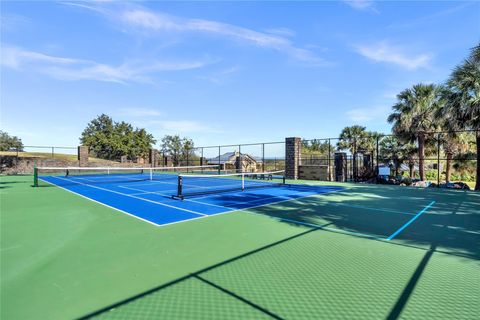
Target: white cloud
point(221, 76)
point(284, 32)
point(383, 52)
point(71, 69)
point(140, 18)
point(361, 4)
point(363, 115)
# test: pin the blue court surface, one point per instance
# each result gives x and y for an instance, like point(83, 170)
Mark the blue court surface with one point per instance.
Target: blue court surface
point(151, 199)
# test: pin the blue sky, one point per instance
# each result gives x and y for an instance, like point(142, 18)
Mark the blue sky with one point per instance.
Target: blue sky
point(220, 73)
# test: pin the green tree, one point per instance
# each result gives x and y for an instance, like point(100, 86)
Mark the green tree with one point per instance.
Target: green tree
point(391, 150)
point(111, 140)
point(462, 100)
point(357, 139)
point(409, 150)
point(178, 148)
point(413, 117)
point(8, 142)
point(351, 138)
point(316, 146)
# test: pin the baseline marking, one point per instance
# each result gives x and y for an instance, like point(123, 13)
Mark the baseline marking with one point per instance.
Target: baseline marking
point(101, 203)
point(409, 222)
point(134, 197)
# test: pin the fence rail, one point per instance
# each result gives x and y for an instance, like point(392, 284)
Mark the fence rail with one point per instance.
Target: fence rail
point(449, 156)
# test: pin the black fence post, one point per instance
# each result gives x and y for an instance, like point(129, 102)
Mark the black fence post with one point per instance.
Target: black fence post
point(377, 157)
point(263, 157)
point(354, 160)
point(438, 160)
point(240, 159)
point(328, 157)
point(53, 152)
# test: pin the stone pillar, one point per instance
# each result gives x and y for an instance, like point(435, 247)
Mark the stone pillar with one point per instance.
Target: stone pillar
point(293, 157)
point(152, 153)
point(82, 156)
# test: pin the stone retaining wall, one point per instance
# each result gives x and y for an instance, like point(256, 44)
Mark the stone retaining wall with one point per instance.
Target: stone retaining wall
point(312, 172)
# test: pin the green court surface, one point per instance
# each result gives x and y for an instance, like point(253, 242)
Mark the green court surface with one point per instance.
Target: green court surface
point(322, 257)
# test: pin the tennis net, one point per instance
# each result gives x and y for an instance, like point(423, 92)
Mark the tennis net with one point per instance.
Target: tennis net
point(44, 176)
point(196, 185)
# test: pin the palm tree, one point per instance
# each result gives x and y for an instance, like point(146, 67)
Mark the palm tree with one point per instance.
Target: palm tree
point(351, 139)
point(391, 150)
point(462, 99)
point(413, 117)
point(409, 151)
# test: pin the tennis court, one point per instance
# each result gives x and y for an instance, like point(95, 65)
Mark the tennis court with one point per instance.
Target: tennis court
point(153, 195)
point(125, 246)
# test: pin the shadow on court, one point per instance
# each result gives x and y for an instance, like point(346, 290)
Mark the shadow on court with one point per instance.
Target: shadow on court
point(299, 276)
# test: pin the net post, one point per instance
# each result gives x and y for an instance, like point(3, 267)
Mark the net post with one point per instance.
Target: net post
point(180, 187)
point(35, 176)
point(243, 181)
point(151, 173)
point(283, 179)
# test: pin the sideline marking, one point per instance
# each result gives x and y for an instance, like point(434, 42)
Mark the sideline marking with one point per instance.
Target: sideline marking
point(134, 197)
point(101, 203)
point(202, 216)
point(409, 222)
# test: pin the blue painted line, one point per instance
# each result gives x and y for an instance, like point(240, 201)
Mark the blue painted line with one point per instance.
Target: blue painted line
point(409, 222)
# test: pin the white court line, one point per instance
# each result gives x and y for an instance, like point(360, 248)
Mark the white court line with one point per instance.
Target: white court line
point(287, 198)
point(246, 209)
point(202, 216)
point(147, 192)
point(328, 203)
point(188, 200)
point(275, 202)
point(103, 204)
point(134, 197)
point(221, 194)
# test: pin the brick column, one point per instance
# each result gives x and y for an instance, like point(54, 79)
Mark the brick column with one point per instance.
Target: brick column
point(293, 157)
point(152, 156)
point(83, 156)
